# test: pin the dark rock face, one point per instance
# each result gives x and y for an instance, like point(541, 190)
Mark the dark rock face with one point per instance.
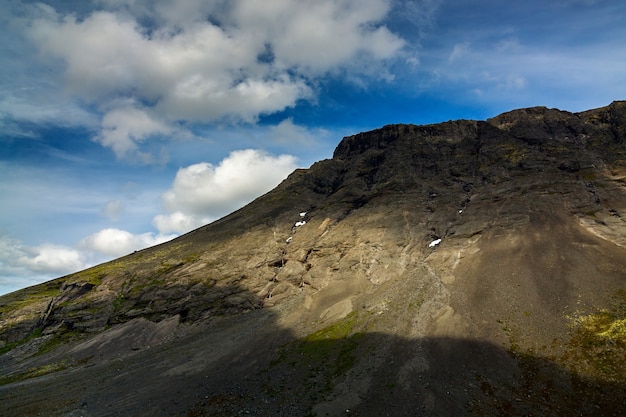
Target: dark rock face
point(462, 268)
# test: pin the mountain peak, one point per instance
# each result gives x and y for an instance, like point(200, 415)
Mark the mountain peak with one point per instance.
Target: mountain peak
point(383, 137)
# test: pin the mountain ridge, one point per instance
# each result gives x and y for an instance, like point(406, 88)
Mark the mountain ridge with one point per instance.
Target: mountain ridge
point(529, 208)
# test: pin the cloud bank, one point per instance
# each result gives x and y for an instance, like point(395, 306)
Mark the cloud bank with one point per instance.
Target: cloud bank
point(152, 67)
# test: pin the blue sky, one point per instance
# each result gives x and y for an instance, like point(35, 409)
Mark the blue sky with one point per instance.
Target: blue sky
point(127, 123)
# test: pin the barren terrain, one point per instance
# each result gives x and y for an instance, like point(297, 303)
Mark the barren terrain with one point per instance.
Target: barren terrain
point(466, 268)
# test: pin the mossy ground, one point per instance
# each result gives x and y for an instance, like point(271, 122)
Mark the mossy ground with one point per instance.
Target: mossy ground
point(321, 358)
point(597, 346)
point(33, 372)
point(29, 296)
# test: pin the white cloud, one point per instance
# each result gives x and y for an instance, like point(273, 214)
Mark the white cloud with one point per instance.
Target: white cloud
point(178, 222)
point(116, 242)
point(123, 128)
point(20, 260)
point(202, 192)
point(42, 109)
point(322, 35)
point(22, 265)
point(201, 61)
point(49, 258)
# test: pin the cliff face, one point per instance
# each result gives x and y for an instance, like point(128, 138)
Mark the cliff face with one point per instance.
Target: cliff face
point(468, 267)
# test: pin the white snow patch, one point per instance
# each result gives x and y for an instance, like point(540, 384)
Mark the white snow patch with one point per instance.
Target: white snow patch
point(289, 239)
point(302, 214)
point(434, 243)
point(298, 224)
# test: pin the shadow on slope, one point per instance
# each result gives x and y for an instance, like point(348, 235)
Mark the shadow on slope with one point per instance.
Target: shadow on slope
point(374, 374)
point(246, 364)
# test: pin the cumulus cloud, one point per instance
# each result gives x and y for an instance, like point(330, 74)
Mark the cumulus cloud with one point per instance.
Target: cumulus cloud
point(116, 242)
point(52, 258)
point(22, 265)
point(198, 61)
point(28, 265)
point(203, 192)
point(124, 128)
point(179, 222)
point(318, 36)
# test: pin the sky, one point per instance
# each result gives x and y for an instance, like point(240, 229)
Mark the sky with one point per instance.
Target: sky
point(126, 123)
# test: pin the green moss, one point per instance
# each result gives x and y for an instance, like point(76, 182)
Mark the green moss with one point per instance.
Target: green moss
point(515, 156)
point(10, 346)
point(118, 303)
point(338, 330)
point(60, 337)
point(597, 345)
point(615, 330)
point(321, 357)
point(23, 298)
point(33, 372)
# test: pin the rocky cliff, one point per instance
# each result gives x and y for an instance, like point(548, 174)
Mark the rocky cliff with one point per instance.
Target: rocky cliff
point(462, 268)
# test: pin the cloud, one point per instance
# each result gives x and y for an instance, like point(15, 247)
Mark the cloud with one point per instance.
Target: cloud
point(179, 222)
point(116, 242)
point(123, 128)
point(289, 133)
point(113, 210)
point(319, 36)
point(23, 261)
point(459, 51)
point(203, 62)
point(22, 265)
point(49, 258)
point(40, 109)
point(203, 192)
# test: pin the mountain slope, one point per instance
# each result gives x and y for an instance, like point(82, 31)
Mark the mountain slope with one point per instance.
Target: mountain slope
point(463, 268)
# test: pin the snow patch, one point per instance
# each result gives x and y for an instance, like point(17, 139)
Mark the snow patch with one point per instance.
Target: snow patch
point(434, 243)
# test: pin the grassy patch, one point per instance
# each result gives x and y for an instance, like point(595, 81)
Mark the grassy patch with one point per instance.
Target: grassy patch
point(338, 330)
point(597, 345)
point(60, 337)
point(330, 348)
point(10, 346)
point(33, 372)
point(27, 296)
point(320, 358)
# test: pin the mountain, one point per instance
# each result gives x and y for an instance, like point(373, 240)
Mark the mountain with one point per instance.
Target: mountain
point(462, 268)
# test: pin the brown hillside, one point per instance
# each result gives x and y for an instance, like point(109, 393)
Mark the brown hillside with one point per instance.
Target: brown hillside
point(519, 309)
